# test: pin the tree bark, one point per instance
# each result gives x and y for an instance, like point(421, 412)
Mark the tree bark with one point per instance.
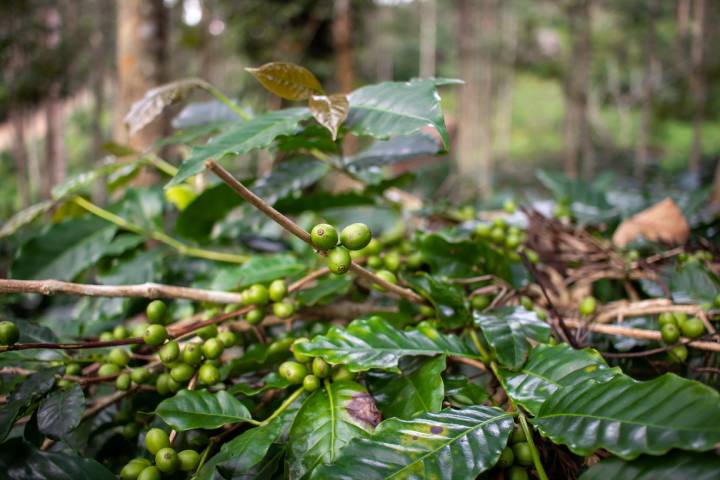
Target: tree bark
point(383, 40)
point(578, 142)
point(21, 157)
point(697, 81)
point(428, 37)
point(506, 84)
point(642, 151)
point(342, 43)
point(142, 64)
point(55, 158)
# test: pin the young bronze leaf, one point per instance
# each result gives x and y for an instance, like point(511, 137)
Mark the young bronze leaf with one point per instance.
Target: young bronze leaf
point(330, 111)
point(287, 80)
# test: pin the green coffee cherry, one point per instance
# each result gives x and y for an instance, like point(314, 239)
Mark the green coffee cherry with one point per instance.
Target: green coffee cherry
point(138, 330)
point(166, 460)
point(132, 470)
point(527, 303)
point(208, 331)
point(320, 367)
point(227, 338)
point(161, 384)
point(517, 435)
point(716, 302)
point(427, 311)
point(300, 357)
point(155, 335)
point(387, 276)
point(169, 352)
point(255, 316)
point(541, 314)
point(341, 373)
point(277, 290)
point(122, 382)
point(517, 473)
point(324, 236)
point(208, 374)
point(338, 260)
point(311, 383)
point(588, 305)
point(130, 431)
point(257, 295)
point(374, 261)
point(532, 256)
point(678, 354)
point(120, 332)
point(192, 354)
point(693, 327)
point(414, 260)
point(522, 453)
point(73, 369)
point(281, 345)
point(156, 439)
point(118, 356)
point(64, 383)
point(480, 302)
point(482, 230)
point(680, 318)
point(355, 236)
point(667, 318)
point(372, 248)
point(212, 348)
point(9, 333)
point(670, 333)
point(156, 311)
point(140, 375)
point(188, 460)
point(283, 309)
point(107, 369)
point(506, 458)
point(293, 372)
point(509, 205)
point(150, 473)
point(182, 372)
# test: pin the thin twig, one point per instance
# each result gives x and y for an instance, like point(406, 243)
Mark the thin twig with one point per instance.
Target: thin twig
point(295, 229)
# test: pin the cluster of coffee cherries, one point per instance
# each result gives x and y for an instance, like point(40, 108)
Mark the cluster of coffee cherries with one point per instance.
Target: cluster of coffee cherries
point(309, 371)
point(167, 460)
point(273, 296)
point(672, 325)
point(507, 238)
point(355, 241)
point(516, 457)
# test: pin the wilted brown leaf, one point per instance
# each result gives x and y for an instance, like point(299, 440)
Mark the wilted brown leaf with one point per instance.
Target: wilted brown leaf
point(663, 222)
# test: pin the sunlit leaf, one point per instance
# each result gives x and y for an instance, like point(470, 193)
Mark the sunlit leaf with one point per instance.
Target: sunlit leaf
point(330, 111)
point(287, 80)
point(201, 409)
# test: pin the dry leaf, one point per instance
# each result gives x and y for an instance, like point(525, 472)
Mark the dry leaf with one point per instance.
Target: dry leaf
point(663, 222)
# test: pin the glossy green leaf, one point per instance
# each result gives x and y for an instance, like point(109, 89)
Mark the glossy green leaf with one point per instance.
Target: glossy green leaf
point(145, 266)
point(64, 250)
point(61, 411)
point(629, 418)
point(449, 445)
point(369, 163)
point(375, 343)
point(22, 461)
point(24, 394)
point(588, 200)
point(289, 176)
point(552, 367)
point(674, 465)
point(258, 132)
point(197, 220)
point(448, 299)
point(259, 269)
point(326, 288)
point(691, 283)
point(326, 422)
point(507, 331)
point(270, 381)
point(418, 388)
point(319, 200)
point(201, 409)
point(24, 217)
point(330, 111)
point(287, 80)
point(396, 108)
point(464, 392)
point(460, 257)
point(86, 181)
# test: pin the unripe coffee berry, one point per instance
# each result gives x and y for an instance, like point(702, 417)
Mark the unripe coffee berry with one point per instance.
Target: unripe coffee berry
point(283, 309)
point(155, 335)
point(387, 276)
point(299, 356)
point(182, 372)
point(341, 373)
point(311, 383)
point(156, 311)
point(9, 333)
point(338, 260)
point(156, 439)
point(208, 331)
point(693, 327)
point(150, 473)
point(320, 367)
point(588, 305)
point(293, 372)
point(188, 460)
point(140, 375)
point(227, 338)
point(208, 374)
point(277, 290)
point(355, 236)
point(122, 382)
point(212, 348)
point(670, 333)
point(120, 332)
point(192, 354)
point(522, 453)
point(480, 302)
point(257, 295)
point(169, 352)
point(166, 460)
point(107, 369)
point(324, 236)
point(255, 316)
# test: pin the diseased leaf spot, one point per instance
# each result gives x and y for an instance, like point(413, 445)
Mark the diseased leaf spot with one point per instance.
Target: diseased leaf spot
point(362, 408)
point(437, 430)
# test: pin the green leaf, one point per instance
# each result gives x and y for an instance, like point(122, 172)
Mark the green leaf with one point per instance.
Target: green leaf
point(201, 409)
point(61, 411)
point(448, 299)
point(374, 343)
point(394, 108)
point(287, 80)
point(86, 181)
point(507, 331)
point(289, 176)
point(674, 465)
point(550, 368)
point(326, 422)
point(24, 394)
point(64, 250)
point(243, 137)
point(122, 243)
point(259, 269)
point(197, 220)
point(588, 201)
point(145, 266)
point(418, 388)
point(330, 111)
point(270, 381)
point(629, 418)
point(458, 257)
point(451, 444)
point(464, 392)
point(369, 163)
point(691, 283)
point(22, 461)
point(320, 200)
point(24, 217)
point(326, 289)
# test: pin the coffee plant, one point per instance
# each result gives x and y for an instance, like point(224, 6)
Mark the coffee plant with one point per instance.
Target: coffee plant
point(280, 327)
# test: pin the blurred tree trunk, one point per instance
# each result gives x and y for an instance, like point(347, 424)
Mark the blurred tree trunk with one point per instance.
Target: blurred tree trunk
point(506, 80)
point(477, 25)
point(55, 158)
point(99, 44)
point(142, 63)
point(342, 36)
point(428, 37)
point(383, 39)
point(642, 151)
point(20, 156)
point(578, 141)
point(715, 198)
point(697, 80)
